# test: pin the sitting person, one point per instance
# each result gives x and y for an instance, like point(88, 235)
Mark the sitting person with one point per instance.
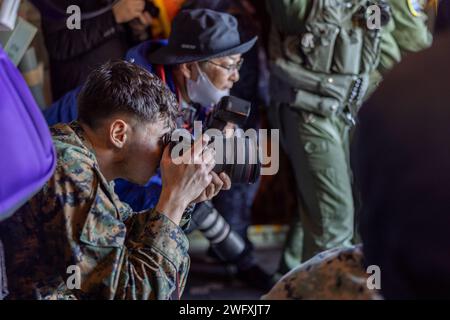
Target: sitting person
point(401, 157)
point(76, 223)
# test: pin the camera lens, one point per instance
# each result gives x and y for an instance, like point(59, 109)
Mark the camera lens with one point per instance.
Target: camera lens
point(227, 244)
point(238, 158)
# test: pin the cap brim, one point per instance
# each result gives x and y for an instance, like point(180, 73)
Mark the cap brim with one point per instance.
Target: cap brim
point(167, 55)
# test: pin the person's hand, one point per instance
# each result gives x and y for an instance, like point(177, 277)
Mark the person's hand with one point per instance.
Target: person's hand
point(184, 182)
point(127, 10)
point(218, 183)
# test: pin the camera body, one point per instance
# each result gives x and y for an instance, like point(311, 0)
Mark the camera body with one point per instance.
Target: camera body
point(230, 109)
point(237, 156)
point(227, 244)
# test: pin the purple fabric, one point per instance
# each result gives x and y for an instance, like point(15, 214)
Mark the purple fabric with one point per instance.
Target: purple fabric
point(27, 156)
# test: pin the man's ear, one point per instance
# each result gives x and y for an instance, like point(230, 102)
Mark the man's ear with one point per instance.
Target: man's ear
point(187, 70)
point(118, 133)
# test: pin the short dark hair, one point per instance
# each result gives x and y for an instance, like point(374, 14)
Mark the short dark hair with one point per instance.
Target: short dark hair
point(123, 87)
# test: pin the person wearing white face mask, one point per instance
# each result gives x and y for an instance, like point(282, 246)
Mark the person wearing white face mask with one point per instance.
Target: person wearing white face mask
point(199, 62)
point(201, 80)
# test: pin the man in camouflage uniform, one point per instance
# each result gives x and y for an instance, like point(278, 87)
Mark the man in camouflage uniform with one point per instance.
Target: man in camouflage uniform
point(326, 57)
point(75, 239)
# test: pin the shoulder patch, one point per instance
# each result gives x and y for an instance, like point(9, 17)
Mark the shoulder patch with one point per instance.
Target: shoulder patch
point(416, 7)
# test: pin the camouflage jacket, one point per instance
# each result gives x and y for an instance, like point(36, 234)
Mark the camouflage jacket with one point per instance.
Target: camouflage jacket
point(336, 274)
point(76, 240)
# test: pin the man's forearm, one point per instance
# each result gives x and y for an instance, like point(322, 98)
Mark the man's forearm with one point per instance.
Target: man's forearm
point(171, 206)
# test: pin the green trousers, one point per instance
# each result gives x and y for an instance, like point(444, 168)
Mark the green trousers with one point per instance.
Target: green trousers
point(318, 149)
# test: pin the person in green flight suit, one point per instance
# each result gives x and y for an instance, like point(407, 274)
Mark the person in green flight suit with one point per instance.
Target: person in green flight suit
point(326, 57)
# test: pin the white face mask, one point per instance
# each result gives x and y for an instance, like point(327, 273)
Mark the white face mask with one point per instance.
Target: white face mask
point(203, 91)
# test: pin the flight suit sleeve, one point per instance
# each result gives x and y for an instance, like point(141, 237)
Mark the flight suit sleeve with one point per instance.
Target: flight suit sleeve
point(407, 32)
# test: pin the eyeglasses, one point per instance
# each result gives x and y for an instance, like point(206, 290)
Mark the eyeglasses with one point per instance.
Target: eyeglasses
point(230, 68)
